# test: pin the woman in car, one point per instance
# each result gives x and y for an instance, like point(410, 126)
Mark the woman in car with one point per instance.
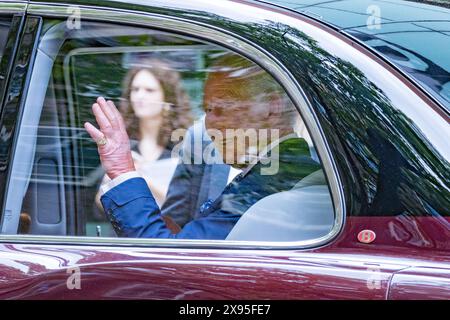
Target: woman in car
point(154, 104)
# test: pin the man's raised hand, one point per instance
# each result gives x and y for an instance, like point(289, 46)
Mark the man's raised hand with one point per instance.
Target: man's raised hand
point(112, 138)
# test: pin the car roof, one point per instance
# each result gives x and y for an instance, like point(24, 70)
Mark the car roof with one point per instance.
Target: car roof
point(412, 34)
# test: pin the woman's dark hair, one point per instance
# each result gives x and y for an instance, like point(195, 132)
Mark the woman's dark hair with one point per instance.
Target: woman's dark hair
point(179, 114)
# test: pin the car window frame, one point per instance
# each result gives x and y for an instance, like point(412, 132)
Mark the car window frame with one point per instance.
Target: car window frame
point(233, 42)
point(16, 12)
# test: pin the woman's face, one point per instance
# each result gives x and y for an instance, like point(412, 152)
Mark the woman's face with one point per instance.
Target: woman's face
point(146, 95)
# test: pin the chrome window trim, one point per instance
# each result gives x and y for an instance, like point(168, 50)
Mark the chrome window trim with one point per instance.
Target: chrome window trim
point(243, 46)
point(13, 7)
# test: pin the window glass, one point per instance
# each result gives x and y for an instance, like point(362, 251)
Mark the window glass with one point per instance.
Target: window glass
point(213, 136)
point(5, 26)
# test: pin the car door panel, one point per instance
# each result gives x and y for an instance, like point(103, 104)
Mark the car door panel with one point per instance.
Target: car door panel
point(420, 283)
point(44, 272)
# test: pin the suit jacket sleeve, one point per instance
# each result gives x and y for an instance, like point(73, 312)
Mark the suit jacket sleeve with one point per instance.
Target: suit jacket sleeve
point(133, 212)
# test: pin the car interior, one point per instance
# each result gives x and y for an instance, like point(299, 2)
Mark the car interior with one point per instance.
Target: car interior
point(54, 194)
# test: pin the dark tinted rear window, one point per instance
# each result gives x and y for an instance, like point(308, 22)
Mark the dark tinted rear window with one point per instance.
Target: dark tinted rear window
point(412, 35)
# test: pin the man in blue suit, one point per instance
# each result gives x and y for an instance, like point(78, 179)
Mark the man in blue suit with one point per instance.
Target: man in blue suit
point(234, 101)
point(195, 183)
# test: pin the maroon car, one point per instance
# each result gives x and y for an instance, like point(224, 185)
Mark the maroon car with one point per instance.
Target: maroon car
point(370, 85)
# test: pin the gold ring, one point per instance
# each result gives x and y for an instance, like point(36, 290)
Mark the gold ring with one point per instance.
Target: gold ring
point(102, 141)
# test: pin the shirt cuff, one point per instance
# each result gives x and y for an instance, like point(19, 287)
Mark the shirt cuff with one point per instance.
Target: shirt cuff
point(106, 186)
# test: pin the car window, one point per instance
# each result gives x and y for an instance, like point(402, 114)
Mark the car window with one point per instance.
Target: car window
point(5, 25)
point(213, 136)
point(5, 54)
point(9, 34)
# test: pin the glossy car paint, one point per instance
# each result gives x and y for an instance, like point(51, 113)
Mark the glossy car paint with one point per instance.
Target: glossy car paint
point(386, 139)
point(420, 283)
point(34, 272)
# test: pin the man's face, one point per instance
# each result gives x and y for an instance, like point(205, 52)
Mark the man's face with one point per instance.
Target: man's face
point(233, 119)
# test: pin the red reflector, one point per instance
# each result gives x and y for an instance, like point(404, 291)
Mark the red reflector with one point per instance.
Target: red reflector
point(366, 236)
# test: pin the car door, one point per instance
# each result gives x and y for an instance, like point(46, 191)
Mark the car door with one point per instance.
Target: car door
point(67, 258)
point(420, 283)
